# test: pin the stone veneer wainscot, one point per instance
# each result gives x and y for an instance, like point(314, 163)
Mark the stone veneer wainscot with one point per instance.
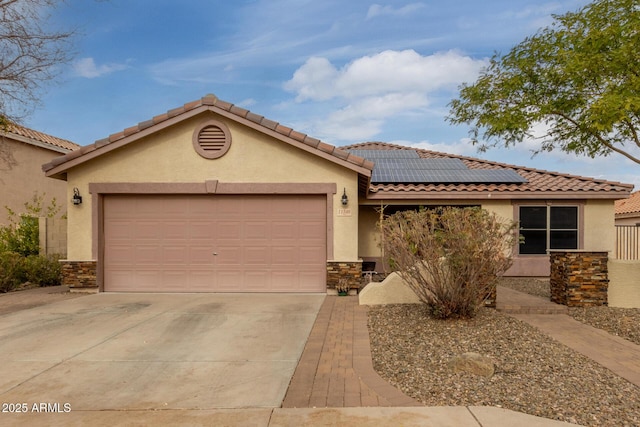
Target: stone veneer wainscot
point(351, 270)
point(579, 278)
point(80, 276)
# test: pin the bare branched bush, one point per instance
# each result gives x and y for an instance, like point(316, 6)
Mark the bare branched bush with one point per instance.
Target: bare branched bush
point(450, 257)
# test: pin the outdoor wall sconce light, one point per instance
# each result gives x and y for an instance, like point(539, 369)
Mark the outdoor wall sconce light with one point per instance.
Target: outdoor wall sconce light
point(344, 199)
point(77, 198)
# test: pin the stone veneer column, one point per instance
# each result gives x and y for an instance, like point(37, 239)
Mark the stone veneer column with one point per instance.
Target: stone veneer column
point(351, 270)
point(579, 278)
point(80, 276)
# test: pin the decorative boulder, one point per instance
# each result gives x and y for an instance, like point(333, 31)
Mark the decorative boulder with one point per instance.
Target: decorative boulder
point(472, 363)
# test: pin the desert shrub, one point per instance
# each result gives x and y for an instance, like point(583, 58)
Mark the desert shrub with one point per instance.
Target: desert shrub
point(43, 270)
point(450, 257)
point(12, 271)
point(21, 235)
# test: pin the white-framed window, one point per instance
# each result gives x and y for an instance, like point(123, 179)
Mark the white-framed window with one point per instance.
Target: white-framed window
point(547, 227)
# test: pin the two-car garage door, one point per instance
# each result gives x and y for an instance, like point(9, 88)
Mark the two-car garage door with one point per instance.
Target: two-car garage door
point(214, 243)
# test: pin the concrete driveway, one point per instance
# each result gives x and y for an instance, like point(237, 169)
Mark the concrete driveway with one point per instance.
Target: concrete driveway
point(154, 351)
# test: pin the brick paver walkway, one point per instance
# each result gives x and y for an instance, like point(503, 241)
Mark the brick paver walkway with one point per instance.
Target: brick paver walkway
point(335, 369)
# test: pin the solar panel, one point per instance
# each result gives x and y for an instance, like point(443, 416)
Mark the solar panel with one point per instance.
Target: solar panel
point(406, 167)
point(420, 164)
point(386, 154)
point(452, 176)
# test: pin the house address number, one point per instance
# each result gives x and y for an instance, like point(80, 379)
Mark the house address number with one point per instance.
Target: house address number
point(344, 212)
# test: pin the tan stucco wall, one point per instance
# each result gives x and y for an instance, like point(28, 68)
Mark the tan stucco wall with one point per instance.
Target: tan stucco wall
point(20, 181)
point(599, 227)
point(168, 156)
point(624, 286)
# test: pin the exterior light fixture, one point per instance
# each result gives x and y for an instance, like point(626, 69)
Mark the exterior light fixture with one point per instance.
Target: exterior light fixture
point(77, 198)
point(345, 199)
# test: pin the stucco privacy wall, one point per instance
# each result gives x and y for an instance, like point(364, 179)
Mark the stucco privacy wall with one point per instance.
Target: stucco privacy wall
point(624, 287)
point(599, 226)
point(168, 156)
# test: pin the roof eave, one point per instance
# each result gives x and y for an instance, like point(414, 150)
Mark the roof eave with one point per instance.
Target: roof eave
point(35, 142)
point(488, 195)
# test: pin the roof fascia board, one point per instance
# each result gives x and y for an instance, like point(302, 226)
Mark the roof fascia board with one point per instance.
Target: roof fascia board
point(490, 196)
point(35, 142)
point(635, 214)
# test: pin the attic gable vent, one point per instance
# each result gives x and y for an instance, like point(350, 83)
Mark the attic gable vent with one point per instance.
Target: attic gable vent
point(212, 139)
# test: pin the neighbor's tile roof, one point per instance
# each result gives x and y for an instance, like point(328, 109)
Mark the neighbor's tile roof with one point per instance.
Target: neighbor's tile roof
point(34, 135)
point(227, 109)
point(539, 183)
point(630, 205)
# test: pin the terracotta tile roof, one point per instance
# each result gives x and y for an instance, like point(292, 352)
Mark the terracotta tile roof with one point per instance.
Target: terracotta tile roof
point(226, 109)
point(628, 206)
point(539, 183)
point(62, 145)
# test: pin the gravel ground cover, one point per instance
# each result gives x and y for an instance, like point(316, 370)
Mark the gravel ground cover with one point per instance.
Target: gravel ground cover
point(534, 374)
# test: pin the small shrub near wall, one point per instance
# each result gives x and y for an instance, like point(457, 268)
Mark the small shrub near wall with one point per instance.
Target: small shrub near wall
point(450, 257)
point(44, 270)
point(12, 271)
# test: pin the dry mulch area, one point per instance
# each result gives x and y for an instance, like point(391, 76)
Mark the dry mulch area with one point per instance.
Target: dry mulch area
point(534, 374)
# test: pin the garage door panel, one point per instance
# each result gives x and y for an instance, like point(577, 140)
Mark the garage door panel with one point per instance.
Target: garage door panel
point(285, 230)
point(162, 243)
point(284, 281)
point(310, 256)
point(283, 255)
point(257, 256)
point(310, 280)
point(198, 255)
point(312, 230)
point(148, 254)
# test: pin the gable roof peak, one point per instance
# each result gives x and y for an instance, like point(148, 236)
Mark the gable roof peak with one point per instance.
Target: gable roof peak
point(210, 102)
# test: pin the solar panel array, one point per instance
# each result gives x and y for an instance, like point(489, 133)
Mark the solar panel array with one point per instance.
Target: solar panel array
point(406, 167)
point(386, 154)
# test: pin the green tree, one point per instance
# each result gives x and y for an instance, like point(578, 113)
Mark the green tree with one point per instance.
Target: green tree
point(578, 79)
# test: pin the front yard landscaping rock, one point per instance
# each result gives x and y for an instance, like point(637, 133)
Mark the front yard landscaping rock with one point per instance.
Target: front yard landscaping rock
point(534, 373)
point(472, 363)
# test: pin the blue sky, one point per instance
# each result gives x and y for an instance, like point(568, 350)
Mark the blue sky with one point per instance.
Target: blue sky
point(342, 71)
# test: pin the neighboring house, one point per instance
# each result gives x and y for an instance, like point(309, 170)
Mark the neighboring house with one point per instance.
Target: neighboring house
point(210, 197)
point(628, 210)
point(23, 153)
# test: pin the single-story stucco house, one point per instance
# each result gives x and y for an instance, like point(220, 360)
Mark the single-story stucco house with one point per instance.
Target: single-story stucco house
point(210, 197)
point(23, 151)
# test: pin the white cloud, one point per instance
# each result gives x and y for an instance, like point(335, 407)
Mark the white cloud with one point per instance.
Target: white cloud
point(363, 119)
point(367, 92)
point(388, 71)
point(86, 67)
point(379, 10)
point(462, 147)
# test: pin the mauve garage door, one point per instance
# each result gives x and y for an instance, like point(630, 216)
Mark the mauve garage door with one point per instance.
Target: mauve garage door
point(162, 243)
